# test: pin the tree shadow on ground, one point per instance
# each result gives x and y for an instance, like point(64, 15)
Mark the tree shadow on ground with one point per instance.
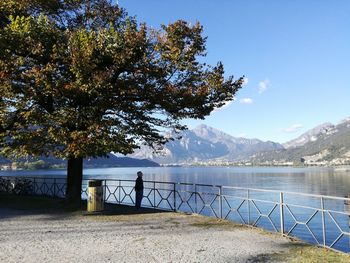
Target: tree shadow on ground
point(118, 209)
point(16, 206)
point(286, 253)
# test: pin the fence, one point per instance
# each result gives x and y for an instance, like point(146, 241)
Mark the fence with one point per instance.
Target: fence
point(317, 219)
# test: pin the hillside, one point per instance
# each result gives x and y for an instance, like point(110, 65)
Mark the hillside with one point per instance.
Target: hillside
point(50, 162)
point(329, 146)
point(326, 144)
point(114, 161)
point(204, 144)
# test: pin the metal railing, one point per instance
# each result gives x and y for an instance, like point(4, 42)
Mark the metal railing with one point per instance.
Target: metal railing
point(46, 186)
point(317, 219)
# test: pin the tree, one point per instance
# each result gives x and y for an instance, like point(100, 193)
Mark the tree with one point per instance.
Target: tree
point(81, 78)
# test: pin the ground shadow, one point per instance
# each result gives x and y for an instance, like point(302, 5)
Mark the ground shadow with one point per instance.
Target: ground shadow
point(15, 206)
point(119, 209)
point(282, 256)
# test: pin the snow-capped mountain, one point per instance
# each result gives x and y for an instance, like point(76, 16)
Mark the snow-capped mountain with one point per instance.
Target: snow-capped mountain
point(205, 143)
point(326, 144)
point(311, 135)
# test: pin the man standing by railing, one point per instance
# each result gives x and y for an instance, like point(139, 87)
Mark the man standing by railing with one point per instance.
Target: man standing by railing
point(139, 190)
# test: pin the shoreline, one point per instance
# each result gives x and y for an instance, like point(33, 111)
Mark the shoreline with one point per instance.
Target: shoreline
point(345, 168)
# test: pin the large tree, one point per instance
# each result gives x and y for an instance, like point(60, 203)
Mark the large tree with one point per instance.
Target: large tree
point(81, 78)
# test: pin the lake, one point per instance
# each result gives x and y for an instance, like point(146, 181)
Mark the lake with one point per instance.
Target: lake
point(315, 180)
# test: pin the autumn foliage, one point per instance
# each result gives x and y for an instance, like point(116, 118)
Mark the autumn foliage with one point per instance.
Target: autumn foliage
point(81, 78)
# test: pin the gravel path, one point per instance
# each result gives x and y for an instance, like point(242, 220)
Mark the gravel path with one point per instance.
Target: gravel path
point(159, 237)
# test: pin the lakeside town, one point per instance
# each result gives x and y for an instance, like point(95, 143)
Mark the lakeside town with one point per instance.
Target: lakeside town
point(336, 163)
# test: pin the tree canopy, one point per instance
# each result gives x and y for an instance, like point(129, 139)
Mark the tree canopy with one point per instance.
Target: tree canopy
point(82, 78)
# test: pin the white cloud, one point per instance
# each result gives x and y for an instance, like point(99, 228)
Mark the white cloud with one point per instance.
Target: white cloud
point(263, 85)
point(293, 128)
point(246, 101)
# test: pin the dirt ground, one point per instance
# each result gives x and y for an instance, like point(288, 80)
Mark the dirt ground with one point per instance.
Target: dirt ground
point(128, 235)
point(151, 237)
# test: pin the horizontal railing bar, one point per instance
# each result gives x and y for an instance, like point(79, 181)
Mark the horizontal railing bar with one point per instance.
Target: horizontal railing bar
point(287, 192)
point(304, 206)
point(318, 209)
point(338, 212)
point(27, 177)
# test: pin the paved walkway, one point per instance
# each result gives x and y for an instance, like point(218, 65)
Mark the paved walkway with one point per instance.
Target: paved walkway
point(146, 237)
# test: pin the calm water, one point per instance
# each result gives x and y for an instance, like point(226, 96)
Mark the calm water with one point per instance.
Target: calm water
point(324, 181)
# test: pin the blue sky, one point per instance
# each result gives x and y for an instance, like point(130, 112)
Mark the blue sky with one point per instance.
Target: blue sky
point(294, 53)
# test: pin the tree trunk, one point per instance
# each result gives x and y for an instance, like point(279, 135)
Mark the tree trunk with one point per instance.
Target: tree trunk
point(74, 180)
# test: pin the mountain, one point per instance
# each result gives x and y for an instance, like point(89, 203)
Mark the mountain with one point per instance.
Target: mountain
point(310, 136)
point(114, 161)
point(204, 144)
point(239, 148)
point(326, 144)
point(50, 162)
point(190, 148)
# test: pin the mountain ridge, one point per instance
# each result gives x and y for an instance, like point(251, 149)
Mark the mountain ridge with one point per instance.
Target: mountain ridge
point(101, 162)
point(205, 143)
point(325, 144)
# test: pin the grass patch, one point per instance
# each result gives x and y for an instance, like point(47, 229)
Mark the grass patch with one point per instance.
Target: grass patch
point(312, 254)
point(296, 251)
point(120, 218)
point(117, 212)
point(303, 253)
point(205, 222)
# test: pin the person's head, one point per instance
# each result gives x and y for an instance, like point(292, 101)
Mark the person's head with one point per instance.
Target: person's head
point(139, 174)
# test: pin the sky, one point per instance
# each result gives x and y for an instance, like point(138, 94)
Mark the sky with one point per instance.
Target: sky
point(295, 55)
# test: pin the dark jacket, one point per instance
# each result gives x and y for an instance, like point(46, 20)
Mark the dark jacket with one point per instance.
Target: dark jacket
point(139, 184)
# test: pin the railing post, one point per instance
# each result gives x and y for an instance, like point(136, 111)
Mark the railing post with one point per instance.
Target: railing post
point(66, 186)
point(248, 206)
point(120, 186)
point(220, 200)
point(195, 198)
point(34, 186)
point(105, 191)
point(174, 197)
point(154, 194)
point(54, 187)
point(281, 213)
point(323, 223)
